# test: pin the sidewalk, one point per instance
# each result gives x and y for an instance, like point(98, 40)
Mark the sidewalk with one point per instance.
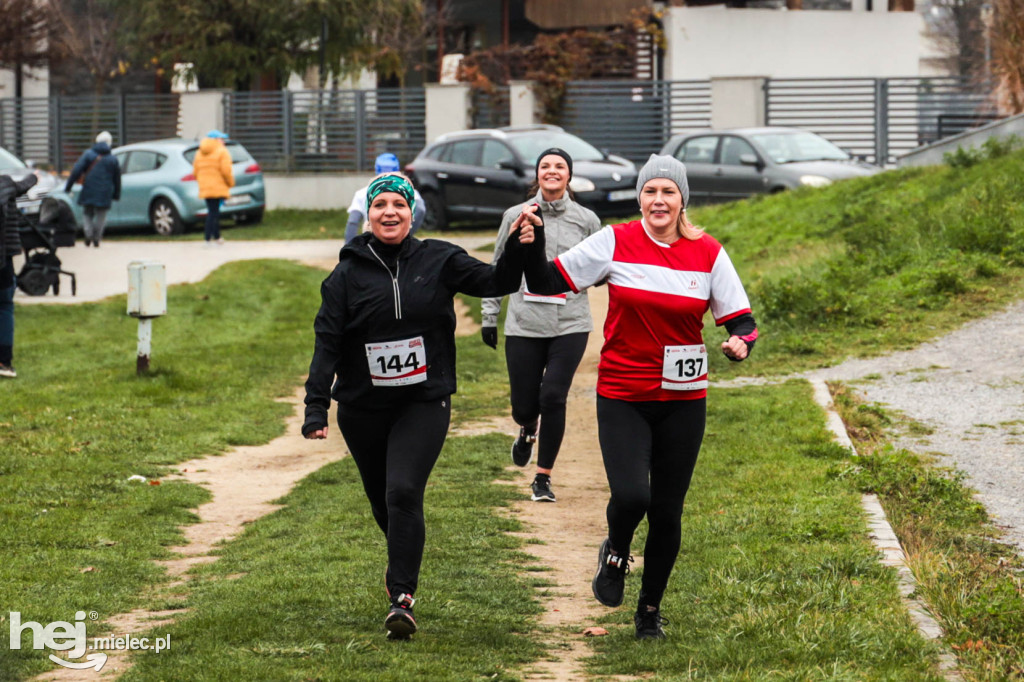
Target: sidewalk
point(103, 272)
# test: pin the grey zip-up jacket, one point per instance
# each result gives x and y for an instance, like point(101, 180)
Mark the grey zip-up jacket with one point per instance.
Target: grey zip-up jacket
point(566, 224)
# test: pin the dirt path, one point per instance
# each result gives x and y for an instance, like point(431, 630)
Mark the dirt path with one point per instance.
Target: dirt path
point(572, 529)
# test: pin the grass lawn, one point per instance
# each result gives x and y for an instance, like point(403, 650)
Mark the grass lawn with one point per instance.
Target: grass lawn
point(777, 579)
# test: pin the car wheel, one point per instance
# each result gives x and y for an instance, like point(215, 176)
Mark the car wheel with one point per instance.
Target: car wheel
point(165, 219)
point(435, 218)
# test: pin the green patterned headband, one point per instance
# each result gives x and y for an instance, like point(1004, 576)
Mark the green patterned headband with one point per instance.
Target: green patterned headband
point(390, 183)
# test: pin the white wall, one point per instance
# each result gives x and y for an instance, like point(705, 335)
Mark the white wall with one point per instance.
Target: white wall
point(34, 83)
point(718, 41)
point(313, 190)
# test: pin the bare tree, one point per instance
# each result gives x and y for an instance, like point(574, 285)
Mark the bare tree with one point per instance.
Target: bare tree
point(956, 28)
point(25, 37)
point(88, 32)
point(1008, 54)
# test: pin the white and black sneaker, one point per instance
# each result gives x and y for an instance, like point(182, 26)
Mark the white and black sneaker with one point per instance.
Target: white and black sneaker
point(541, 489)
point(7, 371)
point(399, 622)
point(522, 448)
point(610, 580)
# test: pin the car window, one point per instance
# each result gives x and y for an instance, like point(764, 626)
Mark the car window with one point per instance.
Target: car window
point(435, 152)
point(9, 161)
point(494, 153)
point(787, 147)
point(466, 152)
point(698, 149)
point(733, 148)
point(122, 159)
point(140, 161)
point(531, 144)
point(239, 154)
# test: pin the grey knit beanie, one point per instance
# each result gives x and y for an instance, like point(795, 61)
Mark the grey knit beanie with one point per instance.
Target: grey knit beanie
point(667, 167)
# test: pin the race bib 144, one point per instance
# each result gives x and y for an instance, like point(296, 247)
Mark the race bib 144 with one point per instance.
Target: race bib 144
point(397, 363)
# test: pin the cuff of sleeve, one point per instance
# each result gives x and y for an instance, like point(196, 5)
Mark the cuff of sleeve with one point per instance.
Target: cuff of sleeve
point(489, 320)
point(312, 425)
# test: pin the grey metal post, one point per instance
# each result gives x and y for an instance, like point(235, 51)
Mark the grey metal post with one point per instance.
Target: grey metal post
point(360, 127)
point(286, 102)
point(881, 121)
point(766, 86)
point(122, 119)
point(58, 132)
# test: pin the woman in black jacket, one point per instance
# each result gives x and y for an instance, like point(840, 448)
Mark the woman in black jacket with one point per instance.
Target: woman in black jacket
point(385, 338)
point(10, 246)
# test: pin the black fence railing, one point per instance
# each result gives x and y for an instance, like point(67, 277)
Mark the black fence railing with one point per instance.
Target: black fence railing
point(327, 130)
point(634, 119)
point(344, 130)
point(879, 119)
point(54, 131)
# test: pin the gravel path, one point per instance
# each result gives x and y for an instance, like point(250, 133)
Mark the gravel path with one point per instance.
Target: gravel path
point(969, 387)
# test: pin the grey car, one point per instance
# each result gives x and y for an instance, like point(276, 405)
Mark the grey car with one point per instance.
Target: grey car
point(722, 165)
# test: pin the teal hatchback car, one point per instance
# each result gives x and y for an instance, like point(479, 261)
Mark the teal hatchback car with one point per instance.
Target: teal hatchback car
point(159, 190)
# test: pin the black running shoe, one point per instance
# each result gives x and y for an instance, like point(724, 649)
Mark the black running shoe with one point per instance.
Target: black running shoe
point(541, 489)
point(399, 622)
point(610, 580)
point(649, 623)
point(522, 449)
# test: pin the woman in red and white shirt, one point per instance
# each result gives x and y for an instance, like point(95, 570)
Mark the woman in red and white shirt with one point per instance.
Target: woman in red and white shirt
point(663, 274)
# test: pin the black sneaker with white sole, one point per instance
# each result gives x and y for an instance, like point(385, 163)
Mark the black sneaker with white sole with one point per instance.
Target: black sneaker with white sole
point(649, 623)
point(541, 489)
point(399, 622)
point(610, 580)
point(522, 449)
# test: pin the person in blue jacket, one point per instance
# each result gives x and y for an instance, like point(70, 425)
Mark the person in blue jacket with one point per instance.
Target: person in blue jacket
point(100, 175)
point(385, 163)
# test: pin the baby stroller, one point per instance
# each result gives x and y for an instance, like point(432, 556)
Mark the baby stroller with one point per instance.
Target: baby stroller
point(56, 227)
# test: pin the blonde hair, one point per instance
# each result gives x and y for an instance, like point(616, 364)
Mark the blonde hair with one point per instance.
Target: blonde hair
point(688, 230)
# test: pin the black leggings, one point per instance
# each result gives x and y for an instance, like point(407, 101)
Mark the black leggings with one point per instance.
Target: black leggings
point(650, 450)
point(395, 450)
point(540, 373)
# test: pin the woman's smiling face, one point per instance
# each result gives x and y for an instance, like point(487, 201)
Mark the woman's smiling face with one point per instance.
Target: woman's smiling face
point(390, 217)
point(660, 203)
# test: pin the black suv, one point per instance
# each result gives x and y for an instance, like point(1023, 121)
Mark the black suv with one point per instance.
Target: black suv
point(477, 174)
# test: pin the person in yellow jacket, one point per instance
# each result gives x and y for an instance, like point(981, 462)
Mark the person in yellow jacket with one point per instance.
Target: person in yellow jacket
point(212, 168)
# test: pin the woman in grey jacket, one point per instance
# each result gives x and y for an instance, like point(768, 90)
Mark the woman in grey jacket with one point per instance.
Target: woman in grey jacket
point(545, 336)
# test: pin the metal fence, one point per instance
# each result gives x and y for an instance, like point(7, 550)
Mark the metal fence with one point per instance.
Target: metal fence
point(327, 130)
point(490, 110)
point(878, 118)
point(635, 118)
point(56, 130)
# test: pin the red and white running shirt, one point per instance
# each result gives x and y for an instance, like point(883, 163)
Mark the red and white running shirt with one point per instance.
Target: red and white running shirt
point(658, 294)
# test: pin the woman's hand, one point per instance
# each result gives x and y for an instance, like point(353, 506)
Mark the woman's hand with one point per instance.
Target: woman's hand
point(525, 223)
point(735, 348)
point(319, 434)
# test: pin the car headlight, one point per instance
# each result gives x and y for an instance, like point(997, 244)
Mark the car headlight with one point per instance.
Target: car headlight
point(814, 181)
point(578, 184)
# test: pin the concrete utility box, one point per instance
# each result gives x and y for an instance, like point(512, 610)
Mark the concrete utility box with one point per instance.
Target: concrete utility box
point(147, 289)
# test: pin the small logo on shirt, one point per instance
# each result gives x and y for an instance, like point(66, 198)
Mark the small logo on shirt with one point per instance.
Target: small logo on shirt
point(415, 343)
point(638, 275)
point(693, 284)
